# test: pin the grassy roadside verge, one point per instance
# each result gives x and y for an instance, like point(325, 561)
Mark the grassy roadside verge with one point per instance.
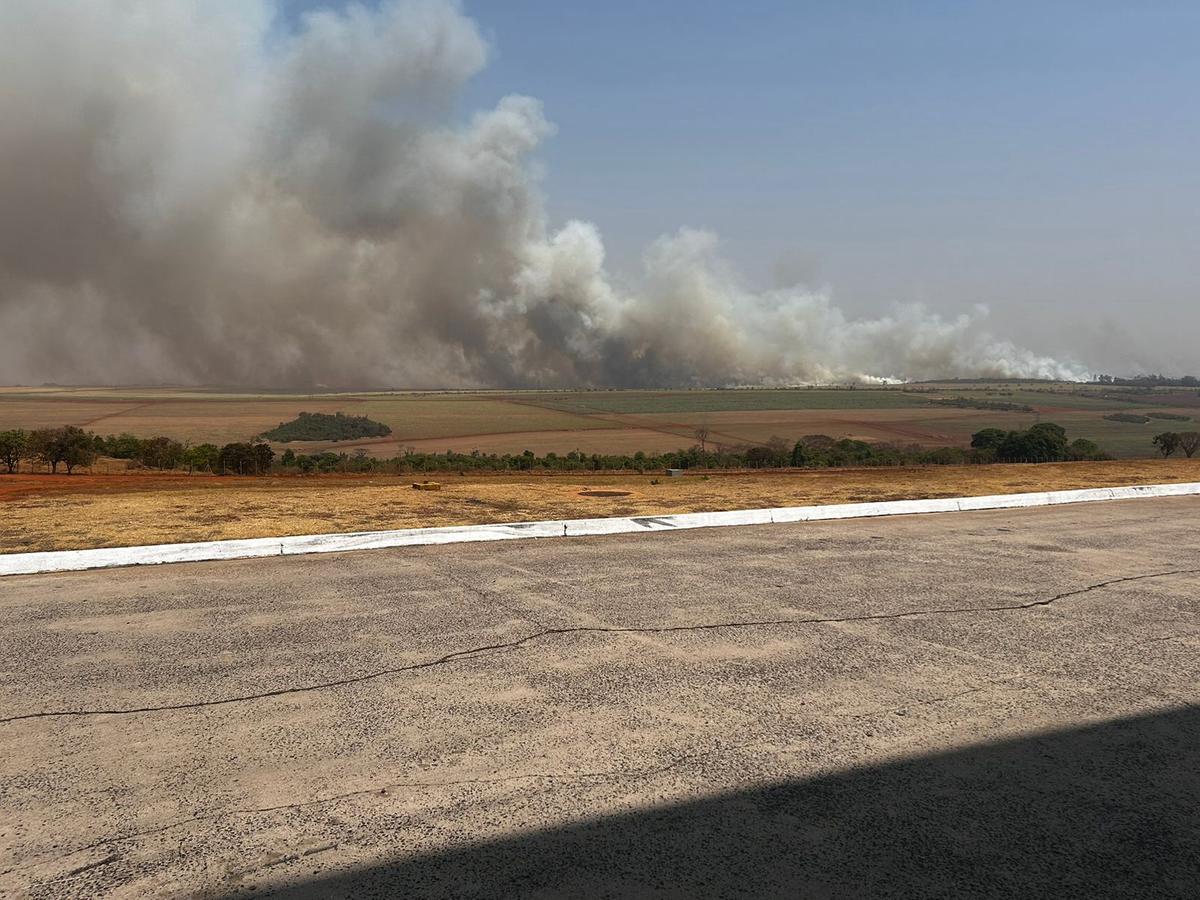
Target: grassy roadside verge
point(39, 512)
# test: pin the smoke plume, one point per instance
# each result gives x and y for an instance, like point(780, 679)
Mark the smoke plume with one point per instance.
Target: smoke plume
point(192, 193)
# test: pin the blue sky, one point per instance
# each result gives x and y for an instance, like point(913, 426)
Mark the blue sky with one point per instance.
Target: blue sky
point(1039, 158)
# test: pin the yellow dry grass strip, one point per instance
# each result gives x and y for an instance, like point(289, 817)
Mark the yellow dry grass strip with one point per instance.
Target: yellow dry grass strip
point(119, 510)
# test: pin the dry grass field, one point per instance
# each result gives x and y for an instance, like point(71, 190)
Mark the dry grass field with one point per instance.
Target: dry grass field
point(611, 421)
point(43, 512)
point(196, 416)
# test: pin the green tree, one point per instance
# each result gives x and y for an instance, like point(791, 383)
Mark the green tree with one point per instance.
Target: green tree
point(1044, 442)
point(69, 446)
point(849, 452)
point(1051, 439)
point(160, 453)
point(235, 459)
point(988, 439)
point(14, 445)
point(79, 447)
point(263, 455)
point(1167, 442)
point(121, 446)
point(245, 459)
point(203, 457)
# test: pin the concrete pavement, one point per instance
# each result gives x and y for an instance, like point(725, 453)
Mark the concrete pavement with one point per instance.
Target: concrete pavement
point(993, 703)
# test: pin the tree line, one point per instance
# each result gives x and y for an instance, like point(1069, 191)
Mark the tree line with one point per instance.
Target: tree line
point(1187, 381)
point(1045, 442)
point(70, 447)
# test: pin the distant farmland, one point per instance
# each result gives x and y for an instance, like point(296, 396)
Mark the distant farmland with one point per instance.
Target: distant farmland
point(617, 421)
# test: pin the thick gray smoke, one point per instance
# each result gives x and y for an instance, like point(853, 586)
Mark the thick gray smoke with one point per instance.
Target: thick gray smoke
point(191, 194)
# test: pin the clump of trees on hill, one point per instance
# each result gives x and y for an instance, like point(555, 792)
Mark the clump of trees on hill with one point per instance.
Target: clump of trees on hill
point(325, 427)
point(1170, 441)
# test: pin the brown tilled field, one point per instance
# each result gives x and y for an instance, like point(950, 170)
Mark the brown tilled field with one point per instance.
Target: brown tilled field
point(611, 422)
point(44, 512)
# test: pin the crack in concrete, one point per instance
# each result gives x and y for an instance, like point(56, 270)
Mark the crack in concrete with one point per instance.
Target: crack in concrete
point(485, 649)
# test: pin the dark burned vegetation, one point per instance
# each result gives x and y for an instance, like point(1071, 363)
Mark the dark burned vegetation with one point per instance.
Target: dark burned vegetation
point(325, 427)
point(975, 403)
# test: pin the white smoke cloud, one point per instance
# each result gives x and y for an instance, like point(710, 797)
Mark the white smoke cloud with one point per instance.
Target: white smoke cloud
point(191, 196)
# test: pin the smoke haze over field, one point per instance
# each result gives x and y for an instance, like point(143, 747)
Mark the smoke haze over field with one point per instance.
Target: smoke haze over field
point(192, 194)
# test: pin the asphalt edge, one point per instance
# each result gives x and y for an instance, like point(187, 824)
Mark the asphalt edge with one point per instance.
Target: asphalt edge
point(207, 551)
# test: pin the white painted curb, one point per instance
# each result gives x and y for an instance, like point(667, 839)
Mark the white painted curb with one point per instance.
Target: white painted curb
point(75, 560)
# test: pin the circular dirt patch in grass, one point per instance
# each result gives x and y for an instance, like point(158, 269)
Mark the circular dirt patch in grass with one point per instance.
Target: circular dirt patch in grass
point(605, 493)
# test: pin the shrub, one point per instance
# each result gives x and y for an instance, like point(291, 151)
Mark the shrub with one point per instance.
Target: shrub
point(1083, 449)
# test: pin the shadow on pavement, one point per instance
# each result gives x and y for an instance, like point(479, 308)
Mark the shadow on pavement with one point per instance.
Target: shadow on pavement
point(1111, 810)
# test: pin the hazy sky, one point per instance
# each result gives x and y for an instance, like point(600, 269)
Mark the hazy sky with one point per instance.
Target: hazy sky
point(430, 193)
point(1037, 157)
